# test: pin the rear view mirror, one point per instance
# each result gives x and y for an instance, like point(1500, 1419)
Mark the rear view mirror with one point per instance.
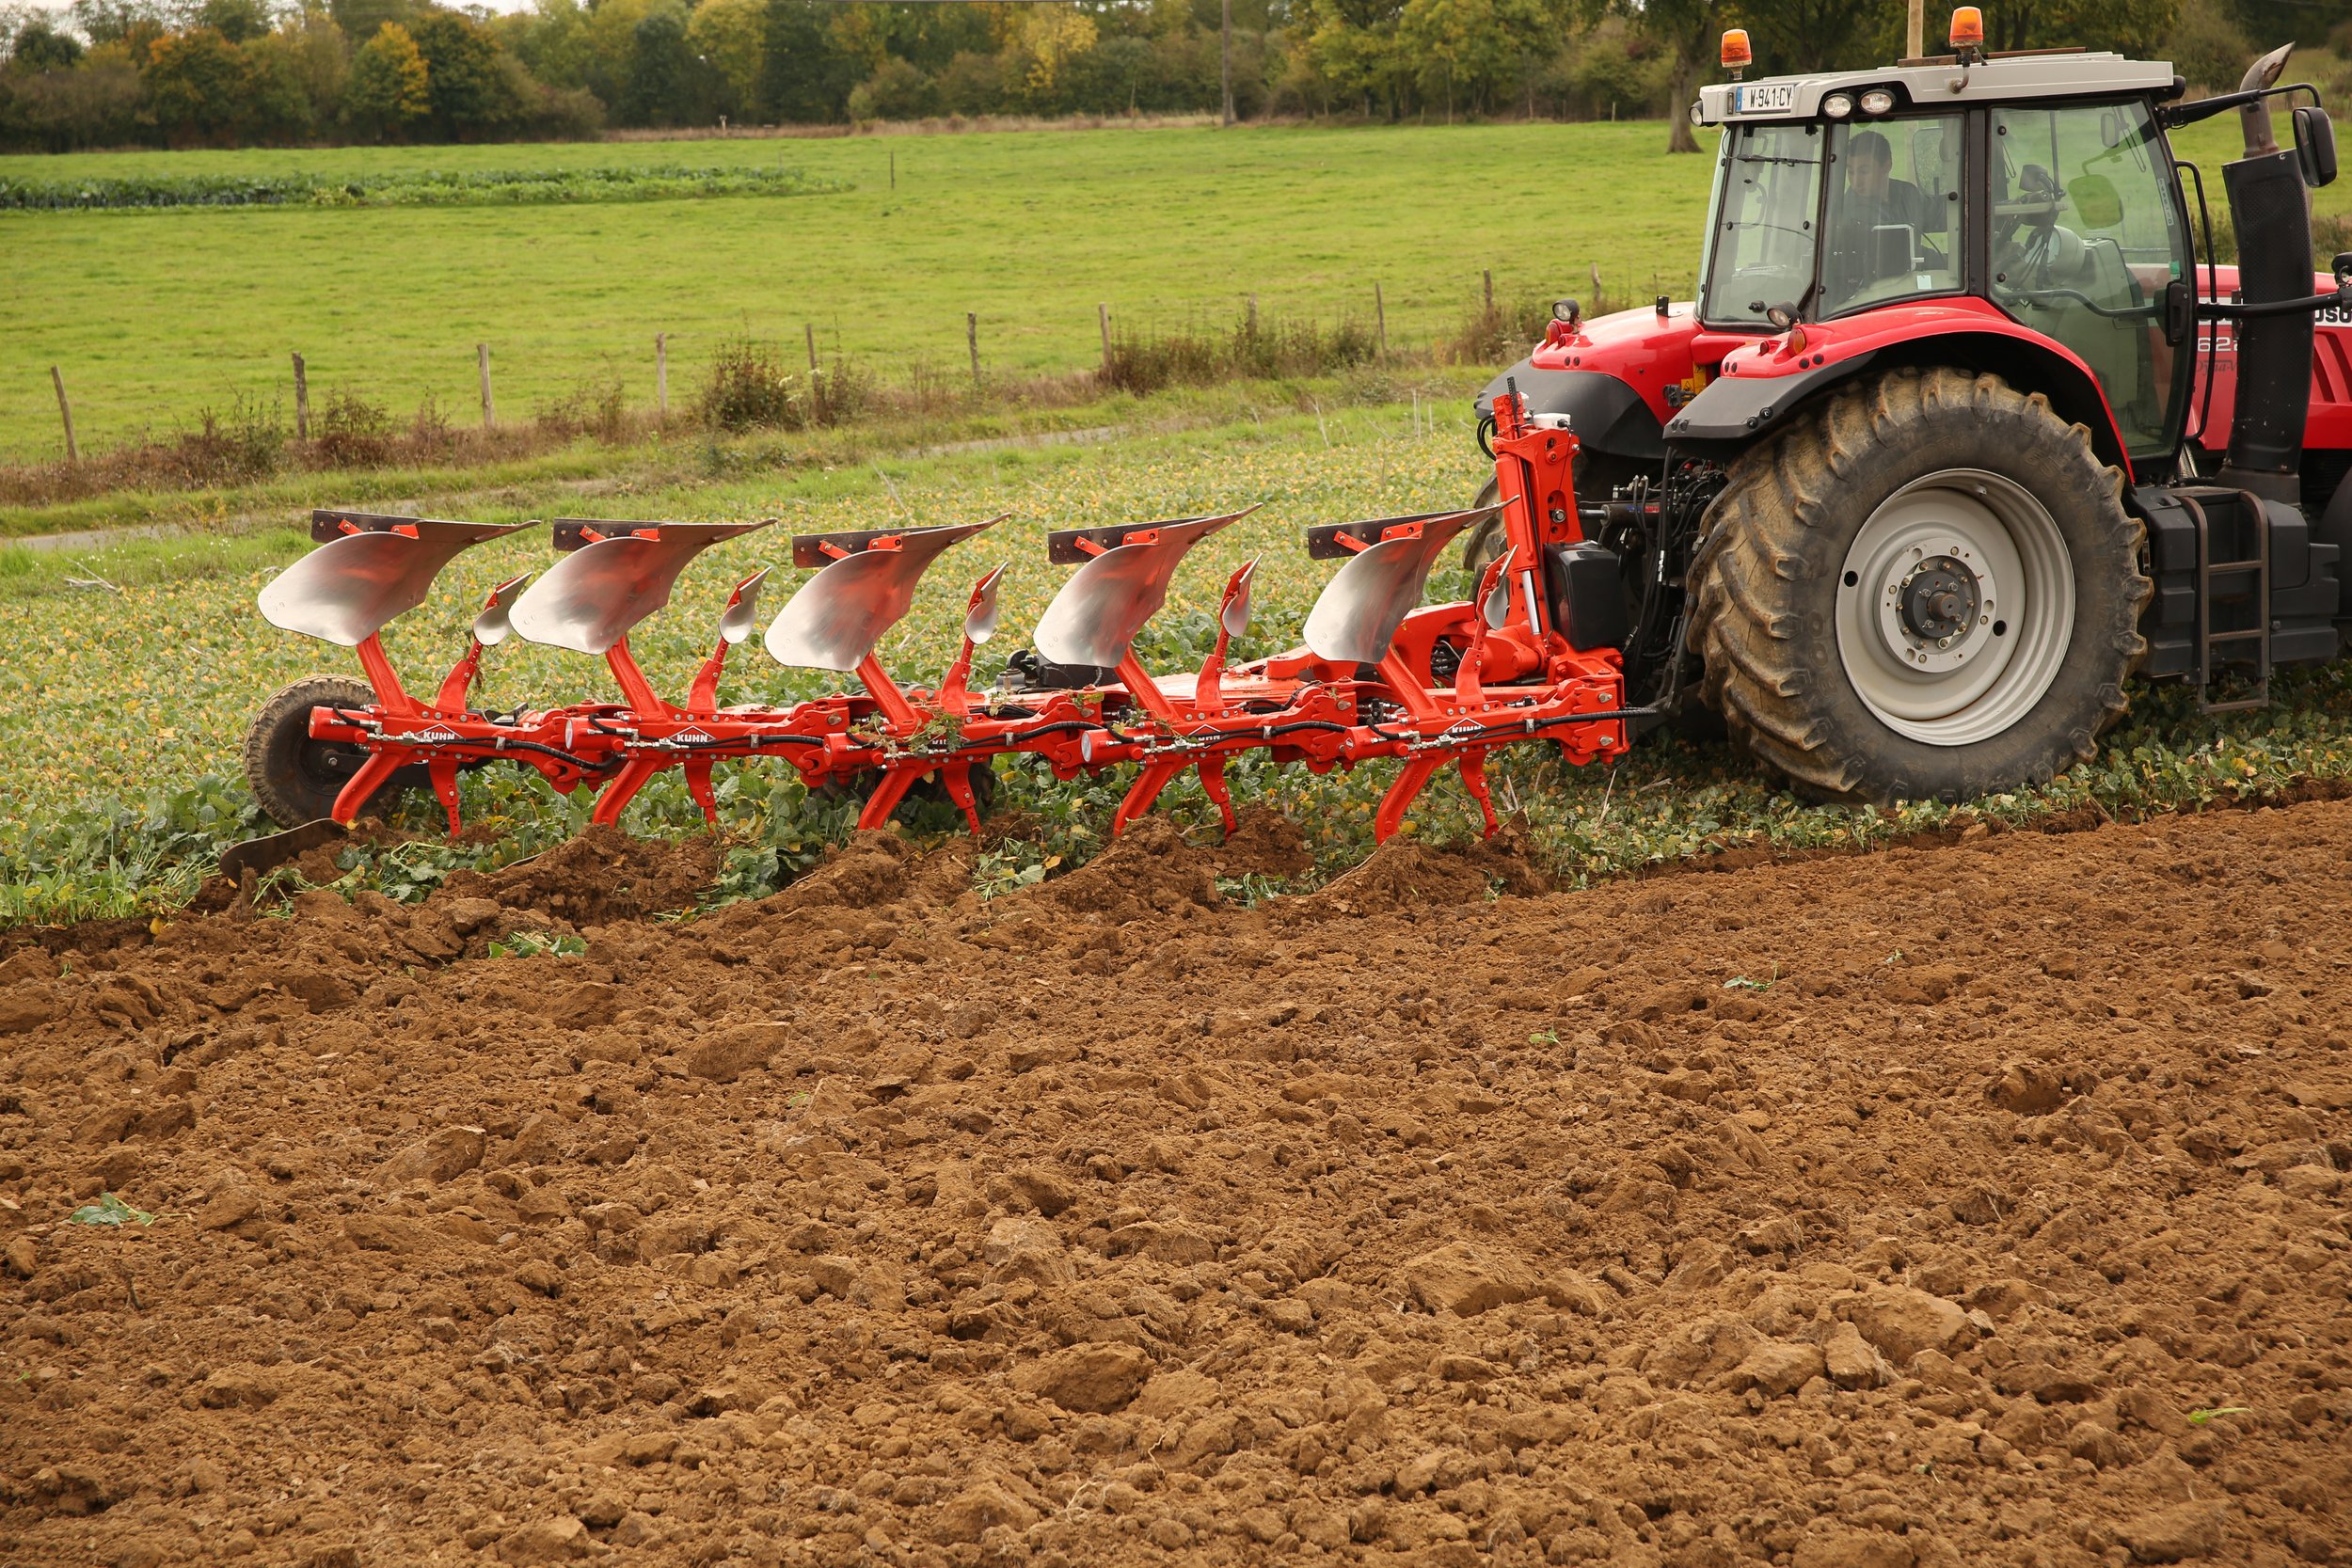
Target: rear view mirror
point(2316, 145)
point(2095, 200)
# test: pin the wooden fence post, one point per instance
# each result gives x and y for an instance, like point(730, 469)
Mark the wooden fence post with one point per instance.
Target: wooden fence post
point(810, 328)
point(1490, 291)
point(302, 399)
point(489, 409)
point(894, 153)
point(1103, 315)
point(65, 412)
point(1380, 315)
point(972, 340)
point(661, 373)
point(1253, 315)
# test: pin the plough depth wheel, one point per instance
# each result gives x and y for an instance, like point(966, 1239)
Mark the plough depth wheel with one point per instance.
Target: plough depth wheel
point(296, 777)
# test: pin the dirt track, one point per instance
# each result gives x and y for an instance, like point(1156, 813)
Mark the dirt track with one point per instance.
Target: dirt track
point(1100, 1225)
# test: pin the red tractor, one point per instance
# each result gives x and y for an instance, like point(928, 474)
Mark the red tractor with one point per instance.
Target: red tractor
point(1966, 429)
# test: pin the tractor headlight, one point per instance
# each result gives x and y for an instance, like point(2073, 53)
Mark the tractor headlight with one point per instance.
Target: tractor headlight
point(1877, 101)
point(1698, 112)
point(1837, 106)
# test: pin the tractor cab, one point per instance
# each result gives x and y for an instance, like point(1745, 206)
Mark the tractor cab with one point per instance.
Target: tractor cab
point(2039, 189)
point(1963, 430)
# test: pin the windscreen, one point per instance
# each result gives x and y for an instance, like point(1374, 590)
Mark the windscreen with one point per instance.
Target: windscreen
point(1761, 252)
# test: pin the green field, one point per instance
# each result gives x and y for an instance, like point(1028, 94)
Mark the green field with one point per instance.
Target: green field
point(153, 315)
point(122, 701)
point(121, 713)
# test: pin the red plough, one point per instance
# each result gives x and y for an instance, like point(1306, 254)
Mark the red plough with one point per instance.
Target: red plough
point(1378, 675)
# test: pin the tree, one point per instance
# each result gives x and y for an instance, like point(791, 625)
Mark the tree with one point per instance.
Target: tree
point(1353, 45)
point(2130, 26)
point(390, 90)
point(238, 20)
point(112, 21)
point(803, 77)
point(197, 87)
point(727, 33)
point(280, 107)
point(659, 86)
point(1468, 48)
point(1687, 30)
point(467, 90)
point(1794, 36)
point(40, 47)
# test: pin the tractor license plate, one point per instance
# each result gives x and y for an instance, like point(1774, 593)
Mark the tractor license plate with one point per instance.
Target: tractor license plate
point(1763, 98)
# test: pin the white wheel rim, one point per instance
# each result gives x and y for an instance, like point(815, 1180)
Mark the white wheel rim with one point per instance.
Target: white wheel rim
point(1955, 607)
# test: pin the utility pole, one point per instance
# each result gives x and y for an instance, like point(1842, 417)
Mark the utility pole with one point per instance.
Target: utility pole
point(1915, 36)
point(1225, 57)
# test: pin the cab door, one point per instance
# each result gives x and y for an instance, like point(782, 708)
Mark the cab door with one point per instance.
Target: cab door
point(2087, 238)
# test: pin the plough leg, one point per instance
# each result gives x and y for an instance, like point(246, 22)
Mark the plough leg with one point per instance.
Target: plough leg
point(353, 798)
point(1408, 784)
point(1146, 789)
point(1213, 784)
point(958, 778)
point(1474, 779)
point(615, 797)
point(443, 773)
point(894, 784)
point(698, 785)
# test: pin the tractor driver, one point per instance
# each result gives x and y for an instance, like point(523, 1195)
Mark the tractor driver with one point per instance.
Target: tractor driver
point(1872, 211)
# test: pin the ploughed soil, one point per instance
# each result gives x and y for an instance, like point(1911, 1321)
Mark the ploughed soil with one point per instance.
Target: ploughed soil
point(1981, 1204)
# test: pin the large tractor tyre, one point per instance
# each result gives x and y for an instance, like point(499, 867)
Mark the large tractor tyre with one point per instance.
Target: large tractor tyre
point(1929, 588)
point(296, 777)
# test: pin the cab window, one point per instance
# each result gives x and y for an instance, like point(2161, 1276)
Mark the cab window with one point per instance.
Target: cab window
point(2086, 237)
point(1892, 226)
point(1760, 253)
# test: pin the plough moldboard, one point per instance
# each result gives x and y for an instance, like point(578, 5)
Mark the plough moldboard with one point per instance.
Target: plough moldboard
point(1380, 676)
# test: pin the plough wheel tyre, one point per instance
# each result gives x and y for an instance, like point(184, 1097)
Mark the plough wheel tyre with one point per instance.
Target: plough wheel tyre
point(1484, 542)
point(296, 777)
point(1833, 682)
point(931, 790)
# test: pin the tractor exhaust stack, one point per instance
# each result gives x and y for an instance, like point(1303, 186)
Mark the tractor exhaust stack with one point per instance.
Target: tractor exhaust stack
point(2270, 208)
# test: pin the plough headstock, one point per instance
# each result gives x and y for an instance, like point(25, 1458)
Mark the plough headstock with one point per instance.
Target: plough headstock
point(1380, 675)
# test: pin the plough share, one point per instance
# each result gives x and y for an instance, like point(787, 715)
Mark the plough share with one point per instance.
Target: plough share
point(1379, 674)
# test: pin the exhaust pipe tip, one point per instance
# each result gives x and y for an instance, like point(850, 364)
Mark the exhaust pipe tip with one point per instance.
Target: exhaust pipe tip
point(2254, 118)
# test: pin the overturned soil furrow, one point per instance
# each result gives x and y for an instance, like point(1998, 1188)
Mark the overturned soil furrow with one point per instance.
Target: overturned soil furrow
point(1973, 1204)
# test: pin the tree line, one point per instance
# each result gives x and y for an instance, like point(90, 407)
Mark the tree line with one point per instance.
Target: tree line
point(241, 72)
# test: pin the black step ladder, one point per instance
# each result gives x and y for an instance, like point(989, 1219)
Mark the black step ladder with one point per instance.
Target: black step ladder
point(2247, 508)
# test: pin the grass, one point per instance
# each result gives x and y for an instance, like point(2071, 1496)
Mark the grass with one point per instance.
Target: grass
point(154, 315)
point(470, 187)
point(121, 713)
point(123, 699)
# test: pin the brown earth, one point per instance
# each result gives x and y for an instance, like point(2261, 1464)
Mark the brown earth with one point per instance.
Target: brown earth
point(1897, 1211)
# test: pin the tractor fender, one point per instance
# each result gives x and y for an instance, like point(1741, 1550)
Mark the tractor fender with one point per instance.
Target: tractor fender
point(1607, 415)
point(1735, 411)
point(1747, 402)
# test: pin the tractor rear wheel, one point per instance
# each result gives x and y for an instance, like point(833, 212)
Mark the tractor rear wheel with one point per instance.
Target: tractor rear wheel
point(296, 777)
point(1929, 588)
